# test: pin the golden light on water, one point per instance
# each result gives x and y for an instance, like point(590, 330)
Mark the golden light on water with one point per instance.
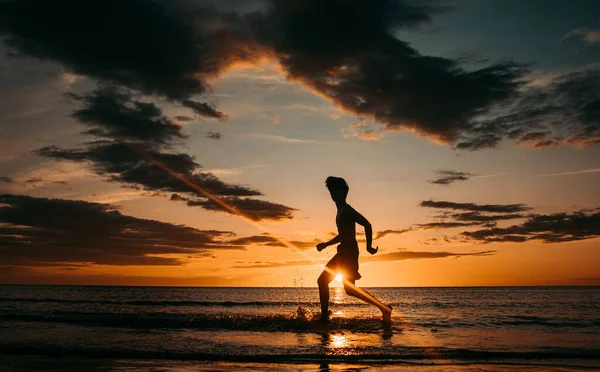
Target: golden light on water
point(338, 341)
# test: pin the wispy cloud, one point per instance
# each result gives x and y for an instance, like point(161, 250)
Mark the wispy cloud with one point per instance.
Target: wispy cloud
point(362, 131)
point(267, 265)
point(544, 77)
point(214, 135)
point(595, 170)
point(277, 138)
point(587, 35)
point(489, 175)
point(223, 172)
point(588, 279)
point(399, 255)
point(447, 176)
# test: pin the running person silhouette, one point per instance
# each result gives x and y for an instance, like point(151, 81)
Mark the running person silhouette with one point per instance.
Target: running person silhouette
point(346, 259)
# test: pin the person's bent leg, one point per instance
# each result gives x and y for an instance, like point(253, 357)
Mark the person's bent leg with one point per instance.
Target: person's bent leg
point(360, 293)
point(324, 279)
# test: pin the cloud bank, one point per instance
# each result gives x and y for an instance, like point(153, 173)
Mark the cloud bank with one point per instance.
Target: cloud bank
point(344, 50)
point(71, 233)
point(544, 228)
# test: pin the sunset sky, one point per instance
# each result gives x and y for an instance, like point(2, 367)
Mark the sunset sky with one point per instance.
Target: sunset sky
point(468, 132)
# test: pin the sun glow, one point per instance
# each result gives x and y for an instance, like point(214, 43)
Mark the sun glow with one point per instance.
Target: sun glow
point(339, 278)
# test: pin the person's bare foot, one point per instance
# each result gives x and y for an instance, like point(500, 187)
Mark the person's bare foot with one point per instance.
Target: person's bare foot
point(387, 315)
point(325, 317)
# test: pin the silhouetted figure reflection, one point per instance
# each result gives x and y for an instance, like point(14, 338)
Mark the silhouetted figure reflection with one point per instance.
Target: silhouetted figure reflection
point(346, 258)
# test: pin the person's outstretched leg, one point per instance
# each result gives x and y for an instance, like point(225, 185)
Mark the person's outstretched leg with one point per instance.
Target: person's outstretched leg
point(324, 279)
point(352, 290)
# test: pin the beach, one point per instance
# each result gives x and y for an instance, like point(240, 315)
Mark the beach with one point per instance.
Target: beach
point(212, 328)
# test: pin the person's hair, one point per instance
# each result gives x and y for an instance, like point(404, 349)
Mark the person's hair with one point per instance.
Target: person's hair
point(337, 183)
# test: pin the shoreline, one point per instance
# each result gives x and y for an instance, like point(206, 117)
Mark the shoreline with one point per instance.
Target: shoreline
point(35, 362)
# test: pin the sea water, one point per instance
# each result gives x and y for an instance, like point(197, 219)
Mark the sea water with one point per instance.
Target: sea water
point(551, 327)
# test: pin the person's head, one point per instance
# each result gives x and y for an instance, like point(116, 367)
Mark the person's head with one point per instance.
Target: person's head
point(338, 188)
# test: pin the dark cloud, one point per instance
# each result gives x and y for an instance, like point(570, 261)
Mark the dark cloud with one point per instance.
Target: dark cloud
point(538, 140)
point(176, 197)
point(34, 180)
point(552, 228)
point(150, 46)
point(566, 111)
point(114, 114)
point(398, 255)
point(214, 135)
point(31, 276)
point(479, 217)
point(122, 163)
point(347, 51)
point(436, 241)
point(446, 225)
point(382, 234)
point(447, 176)
point(255, 239)
point(253, 209)
point(344, 50)
point(41, 232)
point(184, 118)
point(471, 214)
point(6, 179)
point(205, 109)
point(492, 208)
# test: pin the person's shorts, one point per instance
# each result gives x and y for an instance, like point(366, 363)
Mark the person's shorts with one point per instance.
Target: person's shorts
point(345, 263)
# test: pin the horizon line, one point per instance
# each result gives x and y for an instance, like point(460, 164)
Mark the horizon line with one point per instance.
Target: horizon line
point(311, 287)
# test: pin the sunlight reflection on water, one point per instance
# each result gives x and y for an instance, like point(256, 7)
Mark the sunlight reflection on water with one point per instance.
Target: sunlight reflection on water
point(338, 294)
point(338, 341)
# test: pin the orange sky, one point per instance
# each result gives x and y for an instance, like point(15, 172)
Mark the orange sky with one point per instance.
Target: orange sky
point(265, 125)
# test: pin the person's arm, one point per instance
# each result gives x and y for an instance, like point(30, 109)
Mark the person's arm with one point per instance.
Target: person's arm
point(333, 241)
point(368, 230)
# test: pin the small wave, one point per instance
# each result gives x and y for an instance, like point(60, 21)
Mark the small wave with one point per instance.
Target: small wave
point(303, 321)
point(177, 303)
point(528, 320)
point(412, 355)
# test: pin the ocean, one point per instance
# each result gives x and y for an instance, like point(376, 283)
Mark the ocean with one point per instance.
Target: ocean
point(210, 328)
